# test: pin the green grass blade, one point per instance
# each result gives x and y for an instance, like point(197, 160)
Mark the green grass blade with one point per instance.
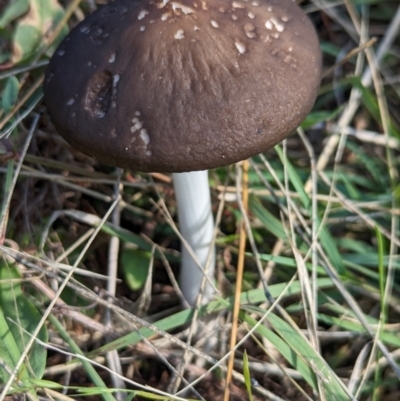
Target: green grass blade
point(294, 178)
point(303, 349)
point(184, 317)
point(271, 223)
point(386, 337)
point(329, 245)
point(246, 374)
point(90, 370)
point(284, 349)
point(381, 265)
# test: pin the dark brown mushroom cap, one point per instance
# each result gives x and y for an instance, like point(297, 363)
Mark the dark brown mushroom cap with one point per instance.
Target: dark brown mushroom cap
point(183, 85)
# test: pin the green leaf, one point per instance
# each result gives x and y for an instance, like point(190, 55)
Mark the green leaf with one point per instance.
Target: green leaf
point(13, 10)
point(28, 35)
point(135, 265)
point(18, 317)
point(9, 350)
point(10, 94)
point(26, 39)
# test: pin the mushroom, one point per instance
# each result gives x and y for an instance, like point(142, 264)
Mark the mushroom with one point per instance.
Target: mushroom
point(182, 86)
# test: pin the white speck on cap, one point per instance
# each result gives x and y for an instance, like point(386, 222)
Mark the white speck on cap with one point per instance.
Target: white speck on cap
point(278, 26)
point(61, 52)
point(116, 78)
point(214, 24)
point(196, 28)
point(142, 28)
point(71, 101)
point(236, 4)
point(268, 24)
point(137, 113)
point(178, 6)
point(240, 46)
point(234, 17)
point(288, 59)
point(179, 34)
point(255, 3)
point(250, 30)
point(112, 58)
point(142, 14)
point(164, 17)
point(137, 126)
point(251, 15)
point(84, 29)
point(144, 136)
point(148, 153)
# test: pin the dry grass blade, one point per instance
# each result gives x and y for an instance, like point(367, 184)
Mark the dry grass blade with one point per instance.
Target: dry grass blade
point(239, 278)
point(7, 200)
point(348, 56)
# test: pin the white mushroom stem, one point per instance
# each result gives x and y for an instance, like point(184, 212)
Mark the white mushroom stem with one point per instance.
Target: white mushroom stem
point(196, 225)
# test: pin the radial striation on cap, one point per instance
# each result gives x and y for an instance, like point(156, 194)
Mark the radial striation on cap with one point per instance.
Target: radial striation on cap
point(175, 86)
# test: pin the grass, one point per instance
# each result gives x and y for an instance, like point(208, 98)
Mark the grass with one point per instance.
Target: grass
point(88, 296)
